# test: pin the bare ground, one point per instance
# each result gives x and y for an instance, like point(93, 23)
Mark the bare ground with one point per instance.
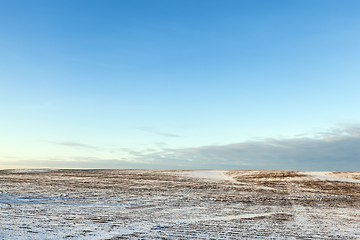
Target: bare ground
point(159, 204)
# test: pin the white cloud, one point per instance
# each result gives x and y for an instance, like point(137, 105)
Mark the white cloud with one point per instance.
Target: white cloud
point(336, 150)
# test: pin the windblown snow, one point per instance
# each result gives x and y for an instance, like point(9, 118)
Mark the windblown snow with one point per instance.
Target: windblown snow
point(159, 204)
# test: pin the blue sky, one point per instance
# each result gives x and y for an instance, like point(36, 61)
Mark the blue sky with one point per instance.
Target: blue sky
point(180, 84)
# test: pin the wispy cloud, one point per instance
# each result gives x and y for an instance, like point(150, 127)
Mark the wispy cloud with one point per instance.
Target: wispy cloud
point(168, 134)
point(160, 144)
point(73, 144)
point(152, 130)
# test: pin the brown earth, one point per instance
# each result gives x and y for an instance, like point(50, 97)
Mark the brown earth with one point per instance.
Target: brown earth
point(153, 204)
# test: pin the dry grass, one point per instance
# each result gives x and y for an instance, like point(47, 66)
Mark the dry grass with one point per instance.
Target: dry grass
point(149, 196)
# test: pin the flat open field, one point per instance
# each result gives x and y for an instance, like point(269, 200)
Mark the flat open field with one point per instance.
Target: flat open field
point(160, 204)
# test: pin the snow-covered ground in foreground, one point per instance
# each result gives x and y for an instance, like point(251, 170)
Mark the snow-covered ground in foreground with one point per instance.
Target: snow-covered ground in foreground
point(150, 204)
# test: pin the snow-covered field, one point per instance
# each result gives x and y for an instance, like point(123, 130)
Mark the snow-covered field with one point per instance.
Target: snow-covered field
point(159, 204)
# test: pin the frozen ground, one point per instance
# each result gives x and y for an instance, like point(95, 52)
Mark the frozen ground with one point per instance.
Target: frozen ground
point(150, 204)
point(207, 175)
point(352, 177)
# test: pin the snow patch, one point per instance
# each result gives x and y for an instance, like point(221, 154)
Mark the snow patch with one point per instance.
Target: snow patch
point(324, 176)
point(213, 175)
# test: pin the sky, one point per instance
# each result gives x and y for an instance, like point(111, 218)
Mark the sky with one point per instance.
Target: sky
point(180, 84)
